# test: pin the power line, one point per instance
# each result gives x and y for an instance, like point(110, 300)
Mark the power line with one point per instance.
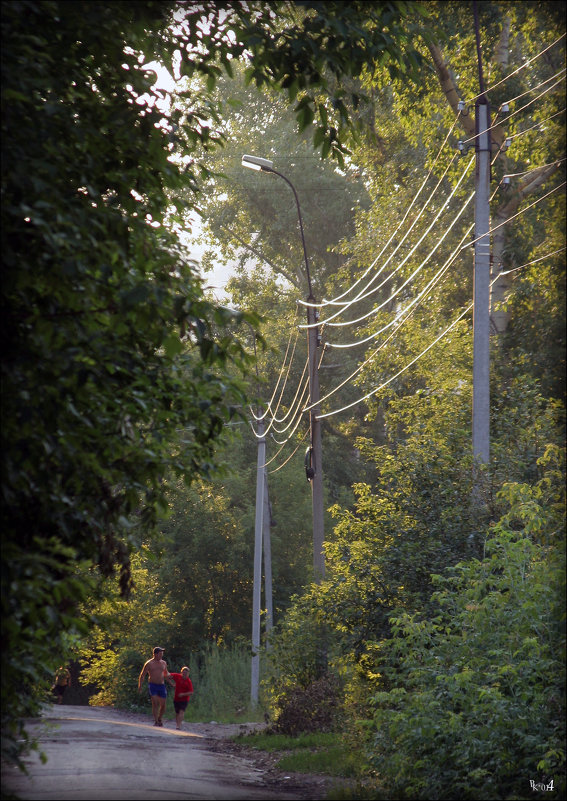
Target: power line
point(536, 125)
point(513, 113)
point(533, 169)
point(428, 348)
point(441, 210)
point(513, 217)
point(416, 271)
point(300, 403)
point(417, 299)
point(363, 294)
point(408, 311)
point(365, 273)
point(289, 411)
point(271, 424)
point(348, 303)
point(534, 88)
point(292, 454)
point(523, 66)
point(268, 409)
point(298, 419)
point(534, 261)
point(438, 276)
point(385, 384)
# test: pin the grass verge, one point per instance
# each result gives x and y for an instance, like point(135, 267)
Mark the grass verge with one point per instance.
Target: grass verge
point(306, 753)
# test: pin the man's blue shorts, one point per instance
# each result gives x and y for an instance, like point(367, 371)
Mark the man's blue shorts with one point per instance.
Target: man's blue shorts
point(158, 689)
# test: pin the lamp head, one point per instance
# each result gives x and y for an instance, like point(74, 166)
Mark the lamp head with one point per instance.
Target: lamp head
point(256, 163)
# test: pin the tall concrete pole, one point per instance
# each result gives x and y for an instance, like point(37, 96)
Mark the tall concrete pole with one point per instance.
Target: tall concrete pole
point(481, 314)
point(316, 479)
point(316, 449)
point(267, 559)
point(257, 586)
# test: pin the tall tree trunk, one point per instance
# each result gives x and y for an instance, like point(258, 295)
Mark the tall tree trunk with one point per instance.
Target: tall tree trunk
point(449, 88)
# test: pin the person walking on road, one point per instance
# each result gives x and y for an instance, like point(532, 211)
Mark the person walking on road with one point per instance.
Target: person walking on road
point(156, 668)
point(62, 681)
point(183, 690)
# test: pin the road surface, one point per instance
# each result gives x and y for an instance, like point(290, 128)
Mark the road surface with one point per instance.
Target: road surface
point(97, 754)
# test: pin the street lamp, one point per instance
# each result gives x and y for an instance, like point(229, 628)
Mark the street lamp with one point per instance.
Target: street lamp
point(315, 470)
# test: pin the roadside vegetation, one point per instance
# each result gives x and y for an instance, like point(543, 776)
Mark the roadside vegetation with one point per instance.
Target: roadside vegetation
point(429, 662)
point(306, 753)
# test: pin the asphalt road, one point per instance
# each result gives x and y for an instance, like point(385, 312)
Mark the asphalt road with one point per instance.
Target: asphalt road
point(99, 754)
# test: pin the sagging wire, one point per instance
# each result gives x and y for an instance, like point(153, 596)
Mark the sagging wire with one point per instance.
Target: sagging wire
point(443, 208)
point(523, 66)
point(335, 300)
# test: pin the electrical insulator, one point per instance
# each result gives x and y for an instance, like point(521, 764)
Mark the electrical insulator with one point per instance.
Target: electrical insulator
point(505, 182)
point(461, 146)
point(507, 143)
point(504, 108)
point(461, 105)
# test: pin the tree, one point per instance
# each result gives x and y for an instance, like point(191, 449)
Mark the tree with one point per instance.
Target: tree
point(413, 517)
point(510, 31)
point(111, 349)
point(253, 220)
point(471, 701)
point(97, 381)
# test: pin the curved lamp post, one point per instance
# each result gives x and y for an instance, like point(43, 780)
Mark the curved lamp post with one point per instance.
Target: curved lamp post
point(315, 468)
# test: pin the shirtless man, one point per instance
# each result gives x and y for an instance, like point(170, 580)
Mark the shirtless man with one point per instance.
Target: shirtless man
point(157, 671)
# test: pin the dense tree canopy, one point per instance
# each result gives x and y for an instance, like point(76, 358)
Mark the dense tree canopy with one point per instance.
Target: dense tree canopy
point(120, 373)
point(117, 371)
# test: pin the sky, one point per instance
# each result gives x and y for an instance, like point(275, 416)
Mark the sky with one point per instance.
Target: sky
point(217, 279)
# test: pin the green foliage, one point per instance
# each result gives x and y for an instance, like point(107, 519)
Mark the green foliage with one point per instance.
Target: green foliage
point(315, 708)
point(320, 752)
point(299, 653)
point(308, 50)
point(205, 568)
point(302, 687)
point(239, 201)
point(39, 592)
point(268, 741)
point(111, 349)
point(113, 653)
point(473, 698)
point(221, 678)
point(119, 375)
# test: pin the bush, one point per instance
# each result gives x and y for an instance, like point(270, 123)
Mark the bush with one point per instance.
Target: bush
point(313, 709)
point(474, 704)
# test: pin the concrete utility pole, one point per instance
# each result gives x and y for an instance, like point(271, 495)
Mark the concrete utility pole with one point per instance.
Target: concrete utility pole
point(315, 468)
point(267, 559)
point(316, 448)
point(481, 313)
point(257, 586)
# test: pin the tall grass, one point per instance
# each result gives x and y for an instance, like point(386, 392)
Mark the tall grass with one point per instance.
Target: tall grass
point(221, 684)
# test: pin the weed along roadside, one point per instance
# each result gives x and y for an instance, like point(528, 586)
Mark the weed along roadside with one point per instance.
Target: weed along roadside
point(318, 759)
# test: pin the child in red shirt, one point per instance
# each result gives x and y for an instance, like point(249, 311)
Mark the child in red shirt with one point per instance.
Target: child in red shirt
point(183, 691)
